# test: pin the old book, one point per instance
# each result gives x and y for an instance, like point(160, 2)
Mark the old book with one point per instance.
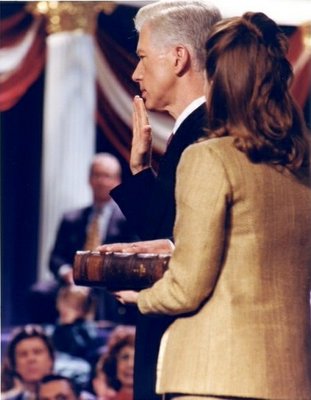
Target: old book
point(118, 271)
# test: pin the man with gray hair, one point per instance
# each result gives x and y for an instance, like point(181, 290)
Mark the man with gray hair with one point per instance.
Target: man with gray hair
point(170, 74)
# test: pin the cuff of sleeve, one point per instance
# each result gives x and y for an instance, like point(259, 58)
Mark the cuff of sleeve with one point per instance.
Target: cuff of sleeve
point(142, 302)
point(133, 198)
point(132, 183)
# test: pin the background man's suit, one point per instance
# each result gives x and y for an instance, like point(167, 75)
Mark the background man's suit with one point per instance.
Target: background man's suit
point(71, 236)
point(148, 202)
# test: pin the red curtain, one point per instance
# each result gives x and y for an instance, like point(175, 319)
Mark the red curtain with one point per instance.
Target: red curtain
point(300, 58)
point(14, 84)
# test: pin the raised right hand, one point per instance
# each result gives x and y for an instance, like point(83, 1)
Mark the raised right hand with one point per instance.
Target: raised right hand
point(142, 138)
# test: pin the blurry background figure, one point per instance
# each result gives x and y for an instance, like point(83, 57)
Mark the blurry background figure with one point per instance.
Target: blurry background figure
point(86, 228)
point(100, 385)
point(56, 387)
point(76, 332)
point(59, 387)
point(114, 370)
point(29, 357)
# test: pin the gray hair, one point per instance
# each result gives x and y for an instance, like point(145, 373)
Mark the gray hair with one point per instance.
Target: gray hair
point(186, 22)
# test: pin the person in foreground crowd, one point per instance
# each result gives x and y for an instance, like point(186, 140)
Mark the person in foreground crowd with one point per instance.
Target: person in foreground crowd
point(170, 74)
point(240, 273)
point(58, 387)
point(76, 332)
point(30, 356)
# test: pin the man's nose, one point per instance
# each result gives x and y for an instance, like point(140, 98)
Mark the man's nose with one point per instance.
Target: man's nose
point(31, 357)
point(137, 74)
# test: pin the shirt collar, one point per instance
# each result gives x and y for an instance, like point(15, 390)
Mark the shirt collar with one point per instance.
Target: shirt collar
point(100, 209)
point(188, 110)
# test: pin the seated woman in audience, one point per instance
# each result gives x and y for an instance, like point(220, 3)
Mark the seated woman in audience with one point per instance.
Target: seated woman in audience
point(115, 368)
point(76, 333)
point(29, 357)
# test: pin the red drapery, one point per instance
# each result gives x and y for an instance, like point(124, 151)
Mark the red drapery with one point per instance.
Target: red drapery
point(14, 84)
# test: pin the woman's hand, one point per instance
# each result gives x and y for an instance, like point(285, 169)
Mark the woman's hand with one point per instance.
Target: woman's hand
point(126, 296)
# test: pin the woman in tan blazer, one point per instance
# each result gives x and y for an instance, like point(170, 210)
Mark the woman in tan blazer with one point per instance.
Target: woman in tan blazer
point(239, 277)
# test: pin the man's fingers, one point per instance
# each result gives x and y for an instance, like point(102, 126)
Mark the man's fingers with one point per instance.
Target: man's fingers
point(115, 247)
point(148, 246)
point(118, 248)
point(142, 113)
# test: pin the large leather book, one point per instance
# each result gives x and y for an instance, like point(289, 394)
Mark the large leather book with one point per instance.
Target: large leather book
point(118, 271)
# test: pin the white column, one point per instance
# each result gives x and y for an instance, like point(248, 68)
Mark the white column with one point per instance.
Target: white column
point(69, 133)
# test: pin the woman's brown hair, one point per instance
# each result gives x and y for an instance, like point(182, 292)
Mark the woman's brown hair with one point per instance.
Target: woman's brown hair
point(121, 336)
point(249, 97)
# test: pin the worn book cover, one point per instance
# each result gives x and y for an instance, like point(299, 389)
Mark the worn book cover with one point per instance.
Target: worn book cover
point(118, 271)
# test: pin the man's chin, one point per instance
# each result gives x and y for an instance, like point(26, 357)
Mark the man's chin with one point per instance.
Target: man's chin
point(149, 106)
point(153, 106)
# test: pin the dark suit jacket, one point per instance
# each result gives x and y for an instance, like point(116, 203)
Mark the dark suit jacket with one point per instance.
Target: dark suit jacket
point(71, 235)
point(148, 202)
point(146, 199)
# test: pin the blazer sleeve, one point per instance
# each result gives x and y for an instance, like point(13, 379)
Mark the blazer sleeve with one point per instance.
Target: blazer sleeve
point(203, 196)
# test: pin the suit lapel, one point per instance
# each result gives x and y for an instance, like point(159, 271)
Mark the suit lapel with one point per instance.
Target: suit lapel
point(191, 129)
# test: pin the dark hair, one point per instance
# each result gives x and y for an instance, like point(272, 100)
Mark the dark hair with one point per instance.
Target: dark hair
point(9, 364)
point(121, 336)
point(249, 98)
point(54, 378)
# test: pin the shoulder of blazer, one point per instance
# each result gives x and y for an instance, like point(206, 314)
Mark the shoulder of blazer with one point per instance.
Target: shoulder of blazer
point(222, 147)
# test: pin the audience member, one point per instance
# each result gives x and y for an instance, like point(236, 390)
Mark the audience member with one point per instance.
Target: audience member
point(244, 225)
point(170, 74)
point(114, 370)
point(86, 228)
point(101, 386)
point(76, 333)
point(58, 387)
point(29, 357)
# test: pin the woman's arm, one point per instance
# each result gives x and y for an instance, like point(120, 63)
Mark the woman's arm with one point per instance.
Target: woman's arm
point(202, 195)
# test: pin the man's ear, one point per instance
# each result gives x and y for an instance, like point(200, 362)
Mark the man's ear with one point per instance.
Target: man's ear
point(182, 59)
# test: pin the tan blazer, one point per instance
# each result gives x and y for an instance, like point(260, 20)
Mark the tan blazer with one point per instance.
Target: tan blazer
point(239, 280)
